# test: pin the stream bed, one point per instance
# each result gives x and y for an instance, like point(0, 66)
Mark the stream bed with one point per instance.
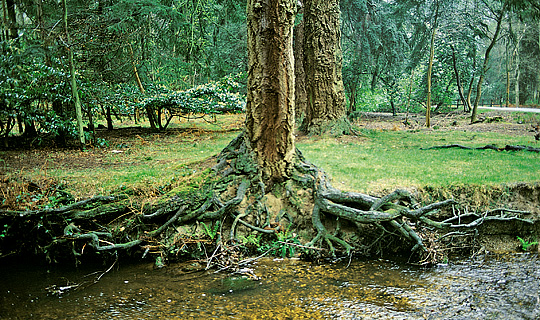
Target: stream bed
point(488, 287)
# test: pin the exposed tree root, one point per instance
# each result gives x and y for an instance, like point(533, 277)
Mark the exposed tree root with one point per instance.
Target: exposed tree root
point(489, 146)
point(231, 204)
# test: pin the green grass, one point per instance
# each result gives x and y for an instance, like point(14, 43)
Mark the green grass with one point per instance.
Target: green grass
point(376, 161)
point(141, 166)
point(388, 160)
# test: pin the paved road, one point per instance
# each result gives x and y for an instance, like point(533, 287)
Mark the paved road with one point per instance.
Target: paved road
point(511, 109)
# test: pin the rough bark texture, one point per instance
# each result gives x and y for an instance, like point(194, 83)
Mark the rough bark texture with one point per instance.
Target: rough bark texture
point(300, 74)
point(323, 62)
point(270, 96)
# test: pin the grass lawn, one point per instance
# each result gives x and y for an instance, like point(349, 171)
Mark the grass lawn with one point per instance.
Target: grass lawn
point(392, 159)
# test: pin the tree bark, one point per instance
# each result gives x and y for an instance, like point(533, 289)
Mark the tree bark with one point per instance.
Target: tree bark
point(323, 63)
point(5, 23)
point(486, 63)
point(538, 75)
point(507, 71)
point(270, 96)
point(300, 75)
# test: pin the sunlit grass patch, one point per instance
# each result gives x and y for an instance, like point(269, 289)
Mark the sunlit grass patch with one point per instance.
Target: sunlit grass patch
point(387, 160)
point(147, 165)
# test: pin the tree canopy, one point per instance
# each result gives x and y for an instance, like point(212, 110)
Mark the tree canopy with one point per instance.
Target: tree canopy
point(128, 51)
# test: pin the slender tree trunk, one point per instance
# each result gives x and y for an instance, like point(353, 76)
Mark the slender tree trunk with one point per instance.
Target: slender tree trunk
point(507, 69)
point(270, 96)
point(5, 22)
point(108, 116)
point(11, 19)
point(469, 93)
point(518, 74)
point(430, 66)
point(538, 75)
point(466, 107)
point(150, 112)
point(323, 62)
point(486, 63)
point(74, 90)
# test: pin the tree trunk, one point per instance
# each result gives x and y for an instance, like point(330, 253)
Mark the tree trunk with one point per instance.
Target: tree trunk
point(430, 66)
point(270, 96)
point(507, 69)
point(469, 93)
point(323, 62)
point(486, 63)
point(108, 116)
point(74, 90)
point(518, 74)
point(300, 75)
point(538, 76)
point(466, 106)
point(5, 23)
point(11, 19)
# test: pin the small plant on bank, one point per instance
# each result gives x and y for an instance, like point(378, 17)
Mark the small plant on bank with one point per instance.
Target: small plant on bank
point(211, 232)
point(525, 244)
point(284, 246)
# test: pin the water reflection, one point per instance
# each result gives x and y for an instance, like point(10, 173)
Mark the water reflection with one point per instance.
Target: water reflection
point(493, 287)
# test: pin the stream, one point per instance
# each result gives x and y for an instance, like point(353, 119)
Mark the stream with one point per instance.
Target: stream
point(487, 287)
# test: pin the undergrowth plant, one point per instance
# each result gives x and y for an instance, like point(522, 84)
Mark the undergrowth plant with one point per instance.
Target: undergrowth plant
point(285, 244)
point(211, 232)
point(525, 244)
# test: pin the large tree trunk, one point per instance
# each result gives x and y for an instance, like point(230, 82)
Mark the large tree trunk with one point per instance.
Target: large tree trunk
point(323, 62)
point(270, 97)
point(299, 72)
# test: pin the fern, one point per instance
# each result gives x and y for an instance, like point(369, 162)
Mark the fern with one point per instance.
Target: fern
point(525, 244)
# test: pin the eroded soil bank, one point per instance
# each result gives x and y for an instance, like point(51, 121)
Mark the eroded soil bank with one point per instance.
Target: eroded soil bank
point(497, 236)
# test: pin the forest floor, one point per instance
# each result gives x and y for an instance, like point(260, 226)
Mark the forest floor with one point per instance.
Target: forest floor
point(511, 124)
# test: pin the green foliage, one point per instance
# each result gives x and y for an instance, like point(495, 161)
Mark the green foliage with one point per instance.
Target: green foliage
point(211, 232)
point(210, 98)
point(525, 244)
point(251, 241)
point(285, 245)
point(4, 232)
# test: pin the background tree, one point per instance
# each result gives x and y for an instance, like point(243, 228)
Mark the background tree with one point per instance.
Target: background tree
point(430, 63)
point(322, 64)
point(300, 99)
point(497, 12)
point(73, 81)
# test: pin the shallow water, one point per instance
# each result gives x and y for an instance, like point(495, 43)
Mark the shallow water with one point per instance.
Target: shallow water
point(492, 287)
